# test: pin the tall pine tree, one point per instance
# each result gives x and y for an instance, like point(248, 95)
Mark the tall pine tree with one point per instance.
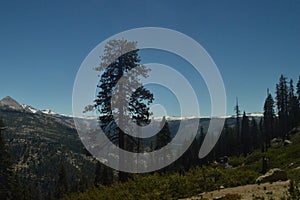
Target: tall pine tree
point(282, 106)
point(245, 134)
point(255, 134)
point(298, 98)
point(163, 137)
point(237, 127)
point(120, 57)
point(269, 121)
point(293, 107)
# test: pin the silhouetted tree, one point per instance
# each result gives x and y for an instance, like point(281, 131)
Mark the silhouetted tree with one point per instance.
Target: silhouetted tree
point(298, 97)
point(282, 105)
point(245, 134)
point(269, 120)
point(254, 134)
point(237, 126)
point(163, 137)
point(293, 107)
point(121, 57)
point(262, 135)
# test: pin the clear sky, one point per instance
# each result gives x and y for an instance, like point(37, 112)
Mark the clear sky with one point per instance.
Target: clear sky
point(43, 43)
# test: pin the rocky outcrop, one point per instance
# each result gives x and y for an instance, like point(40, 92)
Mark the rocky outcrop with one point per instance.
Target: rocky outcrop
point(272, 175)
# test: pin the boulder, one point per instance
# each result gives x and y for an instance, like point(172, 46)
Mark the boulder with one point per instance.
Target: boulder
point(219, 198)
point(272, 175)
point(276, 142)
point(287, 142)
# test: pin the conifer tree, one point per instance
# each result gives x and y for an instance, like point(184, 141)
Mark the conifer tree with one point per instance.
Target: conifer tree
point(255, 134)
point(237, 126)
point(293, 107)
point(262, 135)
point(282, 106)
point(298, 98)
point(245, 134)
point(120, 57)
point(163, 137)
point(269, 120)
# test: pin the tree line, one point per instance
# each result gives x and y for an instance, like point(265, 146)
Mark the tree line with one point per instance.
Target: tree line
point(246, 135)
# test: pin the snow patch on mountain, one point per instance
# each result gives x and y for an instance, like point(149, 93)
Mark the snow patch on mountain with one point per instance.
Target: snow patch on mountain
point(31, 109)
point(10, 103)
point(48, 111)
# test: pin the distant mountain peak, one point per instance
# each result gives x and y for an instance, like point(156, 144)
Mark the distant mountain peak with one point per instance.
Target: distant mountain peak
point(10, 102)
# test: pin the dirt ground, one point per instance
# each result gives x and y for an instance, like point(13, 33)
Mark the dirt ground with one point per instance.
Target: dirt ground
point(275, 190)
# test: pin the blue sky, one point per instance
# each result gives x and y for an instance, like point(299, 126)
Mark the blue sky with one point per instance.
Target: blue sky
point(43, 43)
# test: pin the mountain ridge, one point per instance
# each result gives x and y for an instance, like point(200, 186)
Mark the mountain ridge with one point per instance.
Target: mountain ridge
point(11, 103)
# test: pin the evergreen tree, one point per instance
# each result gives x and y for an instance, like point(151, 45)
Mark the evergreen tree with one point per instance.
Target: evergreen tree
point(202, 134)
point(245, 134)
point(163, 137)
point(255, 134)
point(120, 57)
point(237, 126)
point(293, 107)
point(225, 142)
point(269, 121)
point(231, 140)
point(298, 102)
point(282, 105)
point(262, 135)
point(298, 89)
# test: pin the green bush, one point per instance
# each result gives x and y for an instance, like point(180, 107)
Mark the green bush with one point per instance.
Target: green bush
point(236, 161)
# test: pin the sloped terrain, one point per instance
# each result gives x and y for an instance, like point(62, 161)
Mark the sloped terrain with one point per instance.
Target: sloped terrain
point(275, 191)
point(40, 143)
point(237, 180)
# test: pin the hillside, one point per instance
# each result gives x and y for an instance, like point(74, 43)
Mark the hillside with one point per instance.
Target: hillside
point(243, 171)
point(40, 143)
point(42, 140)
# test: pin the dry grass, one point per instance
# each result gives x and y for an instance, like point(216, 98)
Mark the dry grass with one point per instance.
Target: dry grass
point(275, 190)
